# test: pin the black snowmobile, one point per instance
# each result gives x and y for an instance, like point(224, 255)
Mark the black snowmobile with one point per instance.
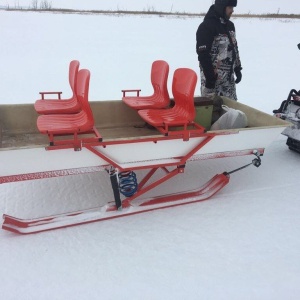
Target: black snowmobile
point(289, 110)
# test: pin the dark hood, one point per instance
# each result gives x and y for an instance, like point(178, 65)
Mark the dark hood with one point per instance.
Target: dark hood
point(213, 14)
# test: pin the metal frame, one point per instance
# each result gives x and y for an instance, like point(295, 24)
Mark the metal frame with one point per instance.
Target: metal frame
point(143, 188)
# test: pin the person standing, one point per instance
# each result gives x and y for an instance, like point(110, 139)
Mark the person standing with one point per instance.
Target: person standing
point(218, 53)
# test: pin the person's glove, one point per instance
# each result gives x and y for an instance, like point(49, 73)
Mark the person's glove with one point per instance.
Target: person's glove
point(210, 83)
point(238, 74)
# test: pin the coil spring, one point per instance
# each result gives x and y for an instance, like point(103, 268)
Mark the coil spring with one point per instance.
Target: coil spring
point(128, 183)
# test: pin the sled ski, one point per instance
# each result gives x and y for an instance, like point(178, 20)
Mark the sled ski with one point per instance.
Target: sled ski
point(110, 211)
point(130, 206)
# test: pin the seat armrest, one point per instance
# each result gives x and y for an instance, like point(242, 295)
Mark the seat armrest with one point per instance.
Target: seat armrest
point(50, 93)
point(130, 91)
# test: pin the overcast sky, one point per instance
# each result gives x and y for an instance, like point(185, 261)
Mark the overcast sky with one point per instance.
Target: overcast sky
point(244, 6)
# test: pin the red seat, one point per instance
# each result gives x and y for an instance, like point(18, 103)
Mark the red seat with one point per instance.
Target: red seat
point(61, 106)
point(72, 124)
point(183, 112)
point(160, 97)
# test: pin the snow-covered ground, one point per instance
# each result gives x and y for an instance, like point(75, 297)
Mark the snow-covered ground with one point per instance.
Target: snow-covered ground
point(36, 51)
point(242, 244)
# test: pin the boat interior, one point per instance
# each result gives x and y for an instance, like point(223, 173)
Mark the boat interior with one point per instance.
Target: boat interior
point(113, 119)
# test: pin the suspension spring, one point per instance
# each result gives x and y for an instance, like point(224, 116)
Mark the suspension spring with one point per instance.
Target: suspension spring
point(128, 184)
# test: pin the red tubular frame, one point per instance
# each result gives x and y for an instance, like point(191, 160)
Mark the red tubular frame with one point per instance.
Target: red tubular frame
point(143, 188)
point(132, 205)
point(76, 142)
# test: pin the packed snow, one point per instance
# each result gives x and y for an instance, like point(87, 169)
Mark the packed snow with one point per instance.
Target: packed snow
point(241, 244)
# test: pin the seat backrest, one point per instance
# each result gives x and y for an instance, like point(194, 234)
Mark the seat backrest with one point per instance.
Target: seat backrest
point(73, 71)
point(183, 88)
point(82, 93)
point(159, 79)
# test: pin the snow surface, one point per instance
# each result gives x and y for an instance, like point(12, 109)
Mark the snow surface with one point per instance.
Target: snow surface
point(119, 54)
point(242, 244)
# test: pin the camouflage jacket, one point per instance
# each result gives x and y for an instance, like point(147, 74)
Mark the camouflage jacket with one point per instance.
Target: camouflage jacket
point(218, 54)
